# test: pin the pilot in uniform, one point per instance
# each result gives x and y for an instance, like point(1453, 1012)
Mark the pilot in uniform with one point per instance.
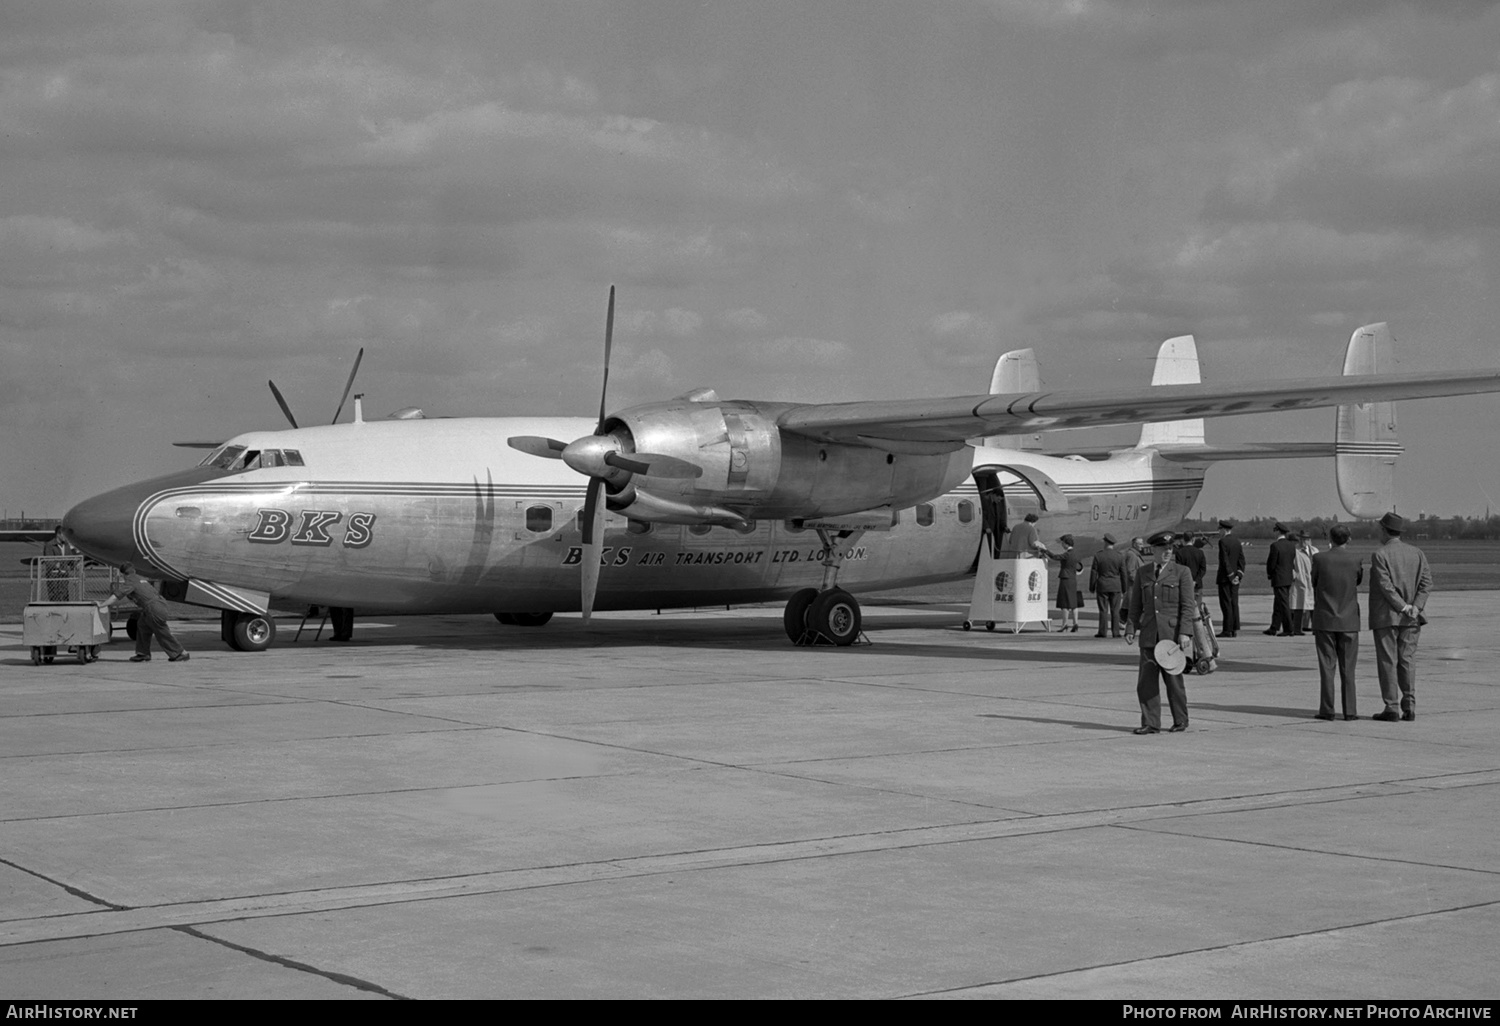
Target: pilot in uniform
point(1228, 576)
point(1161, 609)
point(1400, 581)
point(153, 616)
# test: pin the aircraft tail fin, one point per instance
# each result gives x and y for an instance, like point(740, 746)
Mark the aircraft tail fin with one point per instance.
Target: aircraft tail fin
point(1176, 364)
point(1016, 372)
point(1365, 443)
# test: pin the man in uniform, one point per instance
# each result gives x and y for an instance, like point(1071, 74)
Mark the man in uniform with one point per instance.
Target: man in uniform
point(1161, 609)
point(1281, 565)
point(1400, 581)
point(1336, 575)
point(153, 616)
point(1228, 576)
point(1107, 582)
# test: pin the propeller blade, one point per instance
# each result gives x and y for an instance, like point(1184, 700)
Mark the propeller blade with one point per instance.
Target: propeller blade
point(593, 538)
point(654, 464)
point(609, 331)
point(536, 445)
point(282, 403)
point(347, 385)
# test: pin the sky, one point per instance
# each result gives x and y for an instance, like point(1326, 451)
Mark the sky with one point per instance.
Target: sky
point(797, 201)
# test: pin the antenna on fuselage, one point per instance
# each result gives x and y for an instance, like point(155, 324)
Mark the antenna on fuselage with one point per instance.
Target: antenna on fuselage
point(359, 408)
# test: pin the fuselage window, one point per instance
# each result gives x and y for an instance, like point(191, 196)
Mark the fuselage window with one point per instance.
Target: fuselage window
point(293, 458)
point(539, 519)
point(700, 528)
point(747, 528)
point(637, 527)
point(924, 515)
point(793, 527)
point(965, 511)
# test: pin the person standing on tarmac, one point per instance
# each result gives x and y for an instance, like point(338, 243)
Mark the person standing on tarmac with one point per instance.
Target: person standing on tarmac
point(1231, 571)
point(153, 616)
point(1161, 609)
point(1108, 582)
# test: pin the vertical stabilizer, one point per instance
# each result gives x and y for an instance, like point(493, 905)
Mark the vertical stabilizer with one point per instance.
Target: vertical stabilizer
point(1016, 373)
point(1176, 364)
point(1365, 443)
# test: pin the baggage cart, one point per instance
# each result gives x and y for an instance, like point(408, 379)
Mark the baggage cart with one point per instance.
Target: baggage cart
point(63, 608)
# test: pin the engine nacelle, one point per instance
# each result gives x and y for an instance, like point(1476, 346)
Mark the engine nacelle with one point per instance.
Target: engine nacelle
point(752, 469)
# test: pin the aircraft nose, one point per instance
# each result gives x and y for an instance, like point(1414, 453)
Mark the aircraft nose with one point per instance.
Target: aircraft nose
point(102, 527)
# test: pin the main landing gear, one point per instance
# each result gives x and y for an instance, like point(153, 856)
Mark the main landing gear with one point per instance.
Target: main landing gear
point(829, 616)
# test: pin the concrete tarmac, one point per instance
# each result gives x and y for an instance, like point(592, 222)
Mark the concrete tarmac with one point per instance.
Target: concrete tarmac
point(685, 806)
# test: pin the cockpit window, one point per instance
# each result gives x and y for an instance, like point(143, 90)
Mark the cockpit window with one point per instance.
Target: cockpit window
point(293, 457)
point(223, 457)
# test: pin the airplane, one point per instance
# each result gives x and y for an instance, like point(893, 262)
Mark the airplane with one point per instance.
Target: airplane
point(698, 501)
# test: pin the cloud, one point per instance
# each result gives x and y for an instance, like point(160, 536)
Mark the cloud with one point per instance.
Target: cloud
point(1387, 152)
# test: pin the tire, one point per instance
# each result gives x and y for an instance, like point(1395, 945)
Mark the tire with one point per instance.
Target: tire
point(989, 625)
point(83, 655)
point(835, 615)
point(968, 626)
point(531, 619)
point(132, 625)
point(794, 619)
point(254, 632)
point(509, 619)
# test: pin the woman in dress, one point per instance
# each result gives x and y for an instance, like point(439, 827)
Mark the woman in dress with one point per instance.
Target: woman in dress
point(1068, 597)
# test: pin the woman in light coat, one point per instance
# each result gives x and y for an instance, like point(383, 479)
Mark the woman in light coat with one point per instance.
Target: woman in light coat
point(1301, 596)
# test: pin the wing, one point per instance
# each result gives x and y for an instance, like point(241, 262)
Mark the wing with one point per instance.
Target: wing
point(936, 425)
point(26, 536)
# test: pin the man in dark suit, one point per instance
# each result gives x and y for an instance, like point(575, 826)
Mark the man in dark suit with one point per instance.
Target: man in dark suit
point(1107, 582)
point(1231, 571)
point(1400, 582)
point(1161, 609)
point(1336, 576)
point(1281, 566)
point(1189, 554)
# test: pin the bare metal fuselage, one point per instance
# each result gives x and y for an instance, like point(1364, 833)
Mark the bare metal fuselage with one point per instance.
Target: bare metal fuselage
point(441, 516)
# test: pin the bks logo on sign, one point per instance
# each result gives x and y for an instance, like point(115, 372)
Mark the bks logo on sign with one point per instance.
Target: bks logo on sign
point(312, 527)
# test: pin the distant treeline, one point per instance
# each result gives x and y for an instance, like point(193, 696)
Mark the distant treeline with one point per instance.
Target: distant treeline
point(29, 523)
point(1478, 528)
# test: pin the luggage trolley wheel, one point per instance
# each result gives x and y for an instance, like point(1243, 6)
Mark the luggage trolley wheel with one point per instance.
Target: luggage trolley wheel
point(968, 625)
point(989, 625)
point(36, 655)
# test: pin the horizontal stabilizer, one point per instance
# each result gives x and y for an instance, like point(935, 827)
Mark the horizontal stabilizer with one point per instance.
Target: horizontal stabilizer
point(1246, 451)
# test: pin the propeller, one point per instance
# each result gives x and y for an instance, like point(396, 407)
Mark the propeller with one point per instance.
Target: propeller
point(286, 409)
point(347, 385)
point(599, 458)
point(281, 401)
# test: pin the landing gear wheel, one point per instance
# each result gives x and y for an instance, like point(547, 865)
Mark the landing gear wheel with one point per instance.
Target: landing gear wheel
point(530, 619)
point(835, 615)
point(132, 625)
point(795, 617)
point(509, 619)
point(253, 632)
